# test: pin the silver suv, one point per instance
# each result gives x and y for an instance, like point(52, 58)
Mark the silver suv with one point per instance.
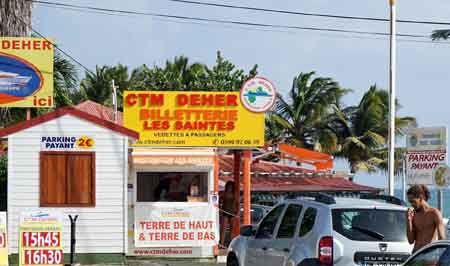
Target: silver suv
point(326, 231)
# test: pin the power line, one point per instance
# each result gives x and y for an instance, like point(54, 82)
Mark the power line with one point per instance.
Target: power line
point(334, 35)
point(54, 45)
point(234, 22)
point(309, 14)
point(325, 34)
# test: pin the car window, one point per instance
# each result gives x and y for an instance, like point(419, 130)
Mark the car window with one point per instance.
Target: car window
point(434, 256)
point(256, 214)
point(309, 218)
point(267, 226)
point(289, 222)
point(370, 224)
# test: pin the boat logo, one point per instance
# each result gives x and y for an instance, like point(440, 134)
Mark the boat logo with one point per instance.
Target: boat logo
point(258, 95)
point(18, 78)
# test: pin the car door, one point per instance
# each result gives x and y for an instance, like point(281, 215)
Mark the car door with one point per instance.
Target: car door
point(258, 244)
point(278, 253)
point(306, 235)
point(438, 255)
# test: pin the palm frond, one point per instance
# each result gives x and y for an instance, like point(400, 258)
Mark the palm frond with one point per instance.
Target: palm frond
point(440, 34)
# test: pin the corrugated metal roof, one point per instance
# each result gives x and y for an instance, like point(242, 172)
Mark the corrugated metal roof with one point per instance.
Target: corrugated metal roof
point(273, 177)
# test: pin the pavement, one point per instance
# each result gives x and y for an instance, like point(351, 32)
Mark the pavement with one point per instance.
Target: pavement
point(177, 262)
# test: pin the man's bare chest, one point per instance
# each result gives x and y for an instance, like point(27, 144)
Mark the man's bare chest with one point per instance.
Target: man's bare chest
point(423, 221)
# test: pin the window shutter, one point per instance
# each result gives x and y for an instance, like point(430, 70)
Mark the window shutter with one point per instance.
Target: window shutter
point(52, 179)
point(81, 179)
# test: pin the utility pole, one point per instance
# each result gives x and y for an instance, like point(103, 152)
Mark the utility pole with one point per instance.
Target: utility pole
point(114, 101)
point(392, 66)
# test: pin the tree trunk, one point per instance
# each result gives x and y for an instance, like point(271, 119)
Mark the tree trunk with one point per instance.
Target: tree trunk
point(15, 18)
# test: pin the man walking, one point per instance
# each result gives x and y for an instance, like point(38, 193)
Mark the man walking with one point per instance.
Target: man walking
point(425, 223)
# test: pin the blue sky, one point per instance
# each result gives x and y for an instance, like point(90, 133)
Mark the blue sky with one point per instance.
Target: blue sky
point(356, 62)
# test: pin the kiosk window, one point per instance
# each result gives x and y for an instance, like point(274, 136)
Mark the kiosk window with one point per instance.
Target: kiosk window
point(172, 186)
point(67, 179)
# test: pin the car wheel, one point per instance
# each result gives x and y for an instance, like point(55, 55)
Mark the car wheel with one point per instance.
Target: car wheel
point(232, 260)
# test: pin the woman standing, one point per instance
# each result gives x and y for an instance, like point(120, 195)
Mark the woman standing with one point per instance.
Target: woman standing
point(227, 205)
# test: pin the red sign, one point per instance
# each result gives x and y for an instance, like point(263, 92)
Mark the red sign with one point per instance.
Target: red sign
point(41, 239)
point(43, 257)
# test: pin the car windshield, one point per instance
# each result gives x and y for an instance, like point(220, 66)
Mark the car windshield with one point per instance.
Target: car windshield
point(370, 224)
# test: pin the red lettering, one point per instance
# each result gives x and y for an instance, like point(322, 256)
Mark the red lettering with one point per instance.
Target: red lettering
point(232, 100)
point(6, 44)
point(220, 100)
point(47, 45)
point(208, 99)
point(182, 99)
point(37, 45)
point(26, 45)
point(131, 99)
point(15, 44)
point(143, 99)
point(195, 99)
point(156, 125)
point(42, 102)
point(230, 126)
point(157, 99)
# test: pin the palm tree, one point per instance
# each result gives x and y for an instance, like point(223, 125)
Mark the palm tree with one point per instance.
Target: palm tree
point(97, 86)
point(440, 34)
point(65, 80)
point(363, 131)
point(303, 116)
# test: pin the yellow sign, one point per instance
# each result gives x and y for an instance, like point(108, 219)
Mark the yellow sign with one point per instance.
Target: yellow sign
point(3, 240)
point(26, 72)
point(85, 142)
point(192, 119)
point(40, 239)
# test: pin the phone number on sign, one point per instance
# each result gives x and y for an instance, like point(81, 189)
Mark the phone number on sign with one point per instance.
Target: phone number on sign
point(235, 142)
point(43, 257)
point(41, 239)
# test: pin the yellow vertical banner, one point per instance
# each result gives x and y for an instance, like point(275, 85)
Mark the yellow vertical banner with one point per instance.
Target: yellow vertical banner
point(40, 239)
point(3, 240)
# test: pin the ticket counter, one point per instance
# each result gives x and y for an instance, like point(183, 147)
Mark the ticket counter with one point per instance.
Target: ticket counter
point(172, 203)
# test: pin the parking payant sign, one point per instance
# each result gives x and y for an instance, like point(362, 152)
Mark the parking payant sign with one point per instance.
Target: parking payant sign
point(426, 151)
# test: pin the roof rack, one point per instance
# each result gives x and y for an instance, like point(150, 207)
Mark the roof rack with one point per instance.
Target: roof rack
point(316, 196)
point(386, 198)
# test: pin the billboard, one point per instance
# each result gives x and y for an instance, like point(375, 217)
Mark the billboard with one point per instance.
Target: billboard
point(195, 119)
point(426, 150)
point(26, 72)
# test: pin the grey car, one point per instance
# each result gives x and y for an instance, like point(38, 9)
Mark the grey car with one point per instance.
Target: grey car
point(325, 231)
point(434, 254)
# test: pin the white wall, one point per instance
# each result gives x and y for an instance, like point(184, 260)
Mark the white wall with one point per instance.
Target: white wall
point(100, 229)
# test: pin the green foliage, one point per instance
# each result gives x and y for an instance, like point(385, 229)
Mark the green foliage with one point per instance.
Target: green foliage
point(362, 131)
point(3, 170)
point(304, 114)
